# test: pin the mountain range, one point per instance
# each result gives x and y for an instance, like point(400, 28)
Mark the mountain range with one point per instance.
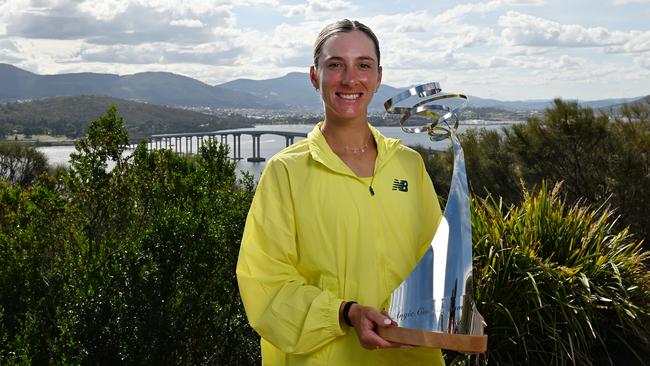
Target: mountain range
point(292, 92)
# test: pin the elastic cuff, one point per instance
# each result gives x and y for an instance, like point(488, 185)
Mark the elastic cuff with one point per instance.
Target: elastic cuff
point(333, 318)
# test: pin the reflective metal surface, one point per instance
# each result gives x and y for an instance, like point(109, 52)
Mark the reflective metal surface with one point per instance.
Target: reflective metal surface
point(438, 295)
point(419, 91)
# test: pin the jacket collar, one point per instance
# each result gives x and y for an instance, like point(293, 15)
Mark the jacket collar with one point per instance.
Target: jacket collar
point(321, 151)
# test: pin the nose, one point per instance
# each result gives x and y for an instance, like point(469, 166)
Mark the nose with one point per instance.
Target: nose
point(350, 77)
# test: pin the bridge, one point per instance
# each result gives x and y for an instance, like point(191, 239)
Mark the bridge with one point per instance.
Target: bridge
point(185, 143)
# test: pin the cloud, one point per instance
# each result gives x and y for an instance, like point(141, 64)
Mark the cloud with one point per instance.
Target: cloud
point(109, 9)
point(408, 30)
point(162, 53)
point(454, 14)
point(9, 53)
point(135, 22)
point(400, 23)
point(315, 9)
point(567, 62)
point(525, 2)
point(526, 30)
point(417, 59)
point(625, 2)
point(103, 9)
point(52, 27)
point(286, 46)
point(527, 33)
point(190, 23)
point(643, 62)
point(638, 42)
point(8, 45)
point(459, 11)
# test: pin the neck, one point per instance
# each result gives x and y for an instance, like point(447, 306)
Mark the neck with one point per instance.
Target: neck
point(347, 137)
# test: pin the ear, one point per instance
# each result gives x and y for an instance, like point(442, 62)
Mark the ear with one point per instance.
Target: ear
point(313, 76)
point(379, 71)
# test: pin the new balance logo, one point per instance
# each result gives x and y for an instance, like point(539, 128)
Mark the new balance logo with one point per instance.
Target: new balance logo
point(400, 185)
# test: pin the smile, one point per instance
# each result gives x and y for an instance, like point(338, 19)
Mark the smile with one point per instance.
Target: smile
point(349, 96)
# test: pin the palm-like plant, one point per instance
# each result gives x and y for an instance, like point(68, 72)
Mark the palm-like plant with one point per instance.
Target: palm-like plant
point(558, 284)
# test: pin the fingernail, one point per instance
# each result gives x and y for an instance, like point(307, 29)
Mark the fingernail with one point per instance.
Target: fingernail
point(405, 347)
point(387, 321)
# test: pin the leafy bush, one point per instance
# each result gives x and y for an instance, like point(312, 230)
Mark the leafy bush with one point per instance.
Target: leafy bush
point(132, 265)
point(489, 165)
point(21, 164)
point(558, 284)
point(597, 157)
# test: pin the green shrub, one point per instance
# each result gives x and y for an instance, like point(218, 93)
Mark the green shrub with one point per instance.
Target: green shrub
point(598, 159)
point(21, 164)
point(558, 284)
point(132, 265)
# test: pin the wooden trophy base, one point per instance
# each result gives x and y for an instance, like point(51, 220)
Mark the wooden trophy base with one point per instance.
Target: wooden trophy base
point(454, 342)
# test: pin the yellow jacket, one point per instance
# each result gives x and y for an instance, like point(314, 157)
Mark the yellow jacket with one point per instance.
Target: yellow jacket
point(316, 236)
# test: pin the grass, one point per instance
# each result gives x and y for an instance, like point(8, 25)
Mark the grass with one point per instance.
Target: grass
point(558, 285)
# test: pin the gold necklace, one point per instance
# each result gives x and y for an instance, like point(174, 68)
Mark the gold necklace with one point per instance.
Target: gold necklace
point(358, 150)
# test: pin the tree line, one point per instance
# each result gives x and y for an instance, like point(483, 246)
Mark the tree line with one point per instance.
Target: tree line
point(135, 265)
point(599, 159)
point(69, 116)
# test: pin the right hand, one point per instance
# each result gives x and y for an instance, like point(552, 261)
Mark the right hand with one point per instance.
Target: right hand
point(365, 321)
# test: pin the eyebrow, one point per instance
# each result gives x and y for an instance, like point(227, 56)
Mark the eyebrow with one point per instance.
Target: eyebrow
point(358, 58)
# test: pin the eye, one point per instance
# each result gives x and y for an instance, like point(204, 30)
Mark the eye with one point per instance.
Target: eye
point(334, 65)
point(365, 66)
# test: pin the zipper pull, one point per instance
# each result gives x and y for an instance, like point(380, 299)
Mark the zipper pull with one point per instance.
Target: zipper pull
point(372, 191)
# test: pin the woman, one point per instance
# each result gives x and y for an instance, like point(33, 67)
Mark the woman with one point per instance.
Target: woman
point(338, 221)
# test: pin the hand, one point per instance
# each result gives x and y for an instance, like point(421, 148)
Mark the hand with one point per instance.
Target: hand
point(365, 321)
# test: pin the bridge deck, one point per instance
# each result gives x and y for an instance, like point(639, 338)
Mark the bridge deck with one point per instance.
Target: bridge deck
point(187, 139)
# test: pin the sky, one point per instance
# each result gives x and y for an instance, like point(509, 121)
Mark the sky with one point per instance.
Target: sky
point(502, 49)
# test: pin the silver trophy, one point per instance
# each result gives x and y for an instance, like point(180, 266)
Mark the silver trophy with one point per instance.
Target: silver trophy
point(434, 306)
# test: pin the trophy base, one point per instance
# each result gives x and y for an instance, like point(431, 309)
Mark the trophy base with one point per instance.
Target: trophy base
point(454, 342)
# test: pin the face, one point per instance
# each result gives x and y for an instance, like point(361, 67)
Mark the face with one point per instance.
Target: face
point(347, 75)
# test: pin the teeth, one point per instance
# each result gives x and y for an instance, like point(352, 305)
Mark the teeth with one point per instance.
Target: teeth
point(350, 96)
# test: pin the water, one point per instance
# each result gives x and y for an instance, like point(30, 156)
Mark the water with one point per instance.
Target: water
point(271, 144)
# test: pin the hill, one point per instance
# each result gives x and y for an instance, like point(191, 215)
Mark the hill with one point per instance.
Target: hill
point(292, 92)
point(69, 116)
point(295, 92)
point(637, 108)
point(154, 87)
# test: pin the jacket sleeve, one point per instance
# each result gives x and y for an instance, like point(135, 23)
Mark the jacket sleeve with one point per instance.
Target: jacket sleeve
point(286, 311)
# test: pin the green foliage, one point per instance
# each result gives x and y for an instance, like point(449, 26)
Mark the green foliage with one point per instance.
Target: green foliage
point(21, 164)
point(488, 163)
point(130, 259)
point(68, 116)
point(598, 158)
point(36, 235)
point(558, 284)
point(128, 265)
point(570, 145)
point(629, 176)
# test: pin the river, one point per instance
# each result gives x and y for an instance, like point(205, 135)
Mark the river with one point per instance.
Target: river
point(271, 144)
